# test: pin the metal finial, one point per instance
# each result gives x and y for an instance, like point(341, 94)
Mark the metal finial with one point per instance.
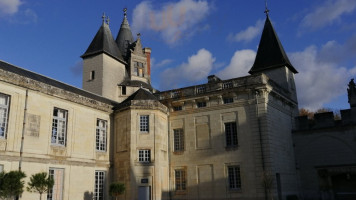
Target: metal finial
point(103, 17)
point(107, 20)
point(266, 8)
point(125, 12)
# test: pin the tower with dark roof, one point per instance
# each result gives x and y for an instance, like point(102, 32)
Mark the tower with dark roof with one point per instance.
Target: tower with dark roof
point(117, 68)
point(272, 60)
point(103, 64)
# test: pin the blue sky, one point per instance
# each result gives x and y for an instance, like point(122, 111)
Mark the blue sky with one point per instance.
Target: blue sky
point(190, 39)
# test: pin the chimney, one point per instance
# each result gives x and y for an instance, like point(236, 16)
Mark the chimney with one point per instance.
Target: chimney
point(147, 52)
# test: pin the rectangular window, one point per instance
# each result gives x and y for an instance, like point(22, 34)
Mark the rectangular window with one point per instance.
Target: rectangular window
point(4, 114)
point(180, 179)
point(56, 192)
point(234, 177)
point(201, 89)
point(59, 127)
point(178, 140)
point(176, 94)
point(99, 185)
point(101, 132)
point(227, 85)
point(144, 123)
point(228, 100)
point(144, 155)
point(177, 108)
point(123, 90)
point(1, 168)
point(92, 75)
point(231, 134)
point(201, 104)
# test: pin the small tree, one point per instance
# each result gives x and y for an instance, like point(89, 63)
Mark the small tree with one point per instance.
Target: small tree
point(116, 189)
point(40, 183)
point(11, 184)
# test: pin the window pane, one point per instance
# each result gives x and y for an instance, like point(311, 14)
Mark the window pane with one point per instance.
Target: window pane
point(99, 185)
point(234, 177)
point(101, 134)
point(56, 192)
point(231, 134)
point(59, 127)
point(144, 123)
point(4, 109)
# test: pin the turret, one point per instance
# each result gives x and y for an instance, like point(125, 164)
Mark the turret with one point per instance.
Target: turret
point(103, 64)
point(124, 38)
point(272, 60)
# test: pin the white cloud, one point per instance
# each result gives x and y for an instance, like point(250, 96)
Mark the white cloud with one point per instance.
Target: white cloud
point(328, 13)
point(9, 7)
point(240, 64)
point(173, 20)
point(318, 81)
point(163, 63)
point(197, 68)
point(248, 34)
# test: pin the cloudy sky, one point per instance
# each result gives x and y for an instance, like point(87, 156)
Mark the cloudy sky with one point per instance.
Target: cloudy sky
point(190, 39)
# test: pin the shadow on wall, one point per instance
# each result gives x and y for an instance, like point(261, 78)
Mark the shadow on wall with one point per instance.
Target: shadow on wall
point(88, 196)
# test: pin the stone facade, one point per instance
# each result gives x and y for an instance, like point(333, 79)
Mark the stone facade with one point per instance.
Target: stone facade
point(225, 139)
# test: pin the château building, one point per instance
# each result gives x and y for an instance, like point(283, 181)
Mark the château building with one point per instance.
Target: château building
point(225, 139)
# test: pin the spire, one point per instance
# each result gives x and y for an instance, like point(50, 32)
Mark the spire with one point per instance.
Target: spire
point(270, 53)
point(266, 8)
point(124, 37)
point(103, 42)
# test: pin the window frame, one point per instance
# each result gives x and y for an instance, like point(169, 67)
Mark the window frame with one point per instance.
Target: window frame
point(180, 179)
point(231, 136)
point(234, 177)
point(101, 135)
point(201, 104)
point(228, 100)
point(177, 108)
point(99, 185)
point(144, 123)
point(52, 173)
point(54, 135)
point(178, 140)
point(144, 155)
point(4, 120)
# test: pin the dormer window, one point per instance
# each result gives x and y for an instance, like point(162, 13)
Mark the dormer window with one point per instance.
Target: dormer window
point(138, 69)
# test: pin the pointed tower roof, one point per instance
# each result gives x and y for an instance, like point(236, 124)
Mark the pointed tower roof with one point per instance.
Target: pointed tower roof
point(103, 42)
point(270, 53)
point(124, 37)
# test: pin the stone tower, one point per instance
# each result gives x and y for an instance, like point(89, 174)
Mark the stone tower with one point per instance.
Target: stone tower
point(272, 60)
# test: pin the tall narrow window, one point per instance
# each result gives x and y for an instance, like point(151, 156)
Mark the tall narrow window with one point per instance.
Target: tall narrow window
point(180, 179)
point(59, 127)
point(4, 114)
point(234, 177)
point(231, 134)
point(123, 90)
point(144, 155)
point(101, 133)
point(1, 168)
point(56, 192)
point(178, 140)
point(144, 123)
point(92, 75)
point(99, 185)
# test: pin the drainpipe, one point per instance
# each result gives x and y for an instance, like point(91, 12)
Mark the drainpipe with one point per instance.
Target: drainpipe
point(23, 130)
point(257, 93)
point(169, 159)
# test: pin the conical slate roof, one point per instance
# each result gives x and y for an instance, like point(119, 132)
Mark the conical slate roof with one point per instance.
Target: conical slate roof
point(270, 53)
point(103, 42)
point(124, 37)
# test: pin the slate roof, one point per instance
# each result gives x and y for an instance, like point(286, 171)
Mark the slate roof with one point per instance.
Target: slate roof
point(136, 83)
point(103, 42)
point(270, 53)
point(124, 38)
point(37, 77)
